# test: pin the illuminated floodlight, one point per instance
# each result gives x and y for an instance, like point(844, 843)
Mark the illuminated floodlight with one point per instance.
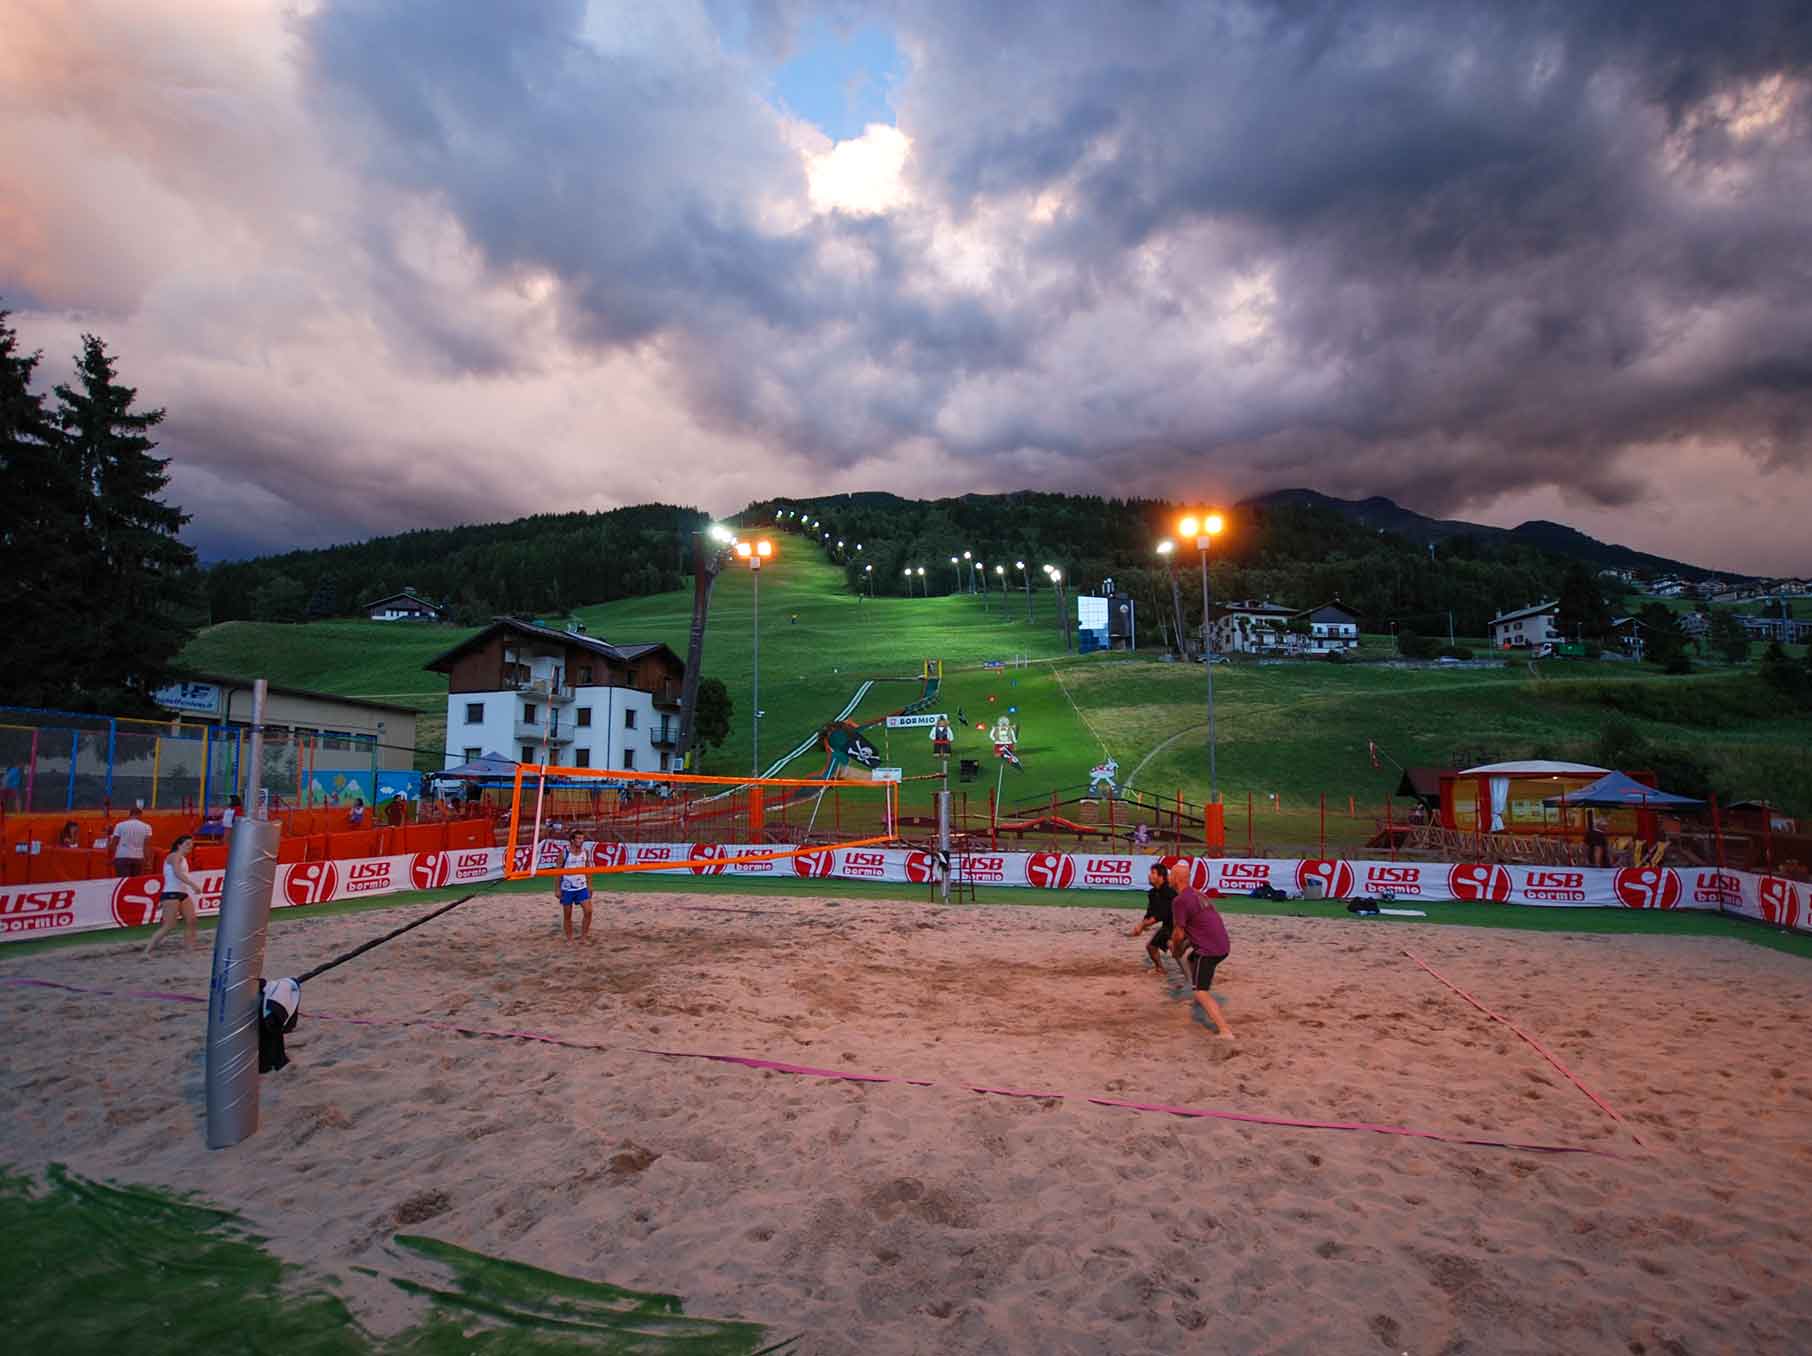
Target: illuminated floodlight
point(1187, 527)
point(744, 550)
point(764, 548)
point(1166, 546)
point(1213, 523)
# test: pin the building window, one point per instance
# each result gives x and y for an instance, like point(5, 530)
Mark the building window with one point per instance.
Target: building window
point(581, 757)
point(473, 754)
point(474, 713)
point(585, 675)
point(629, 758)
point(663, 762)
point(629, 719)
point(528, 713)
point(584, 716)
point(528, 753)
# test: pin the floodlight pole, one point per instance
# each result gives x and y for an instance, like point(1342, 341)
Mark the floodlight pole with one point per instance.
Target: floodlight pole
point(755, 694)
point(1208, 662)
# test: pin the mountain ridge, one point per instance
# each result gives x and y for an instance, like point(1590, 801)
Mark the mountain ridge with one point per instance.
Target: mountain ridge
point(1556, 538)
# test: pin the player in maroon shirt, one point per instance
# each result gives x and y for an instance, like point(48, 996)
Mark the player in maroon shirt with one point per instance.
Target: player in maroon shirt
point(1200, 941)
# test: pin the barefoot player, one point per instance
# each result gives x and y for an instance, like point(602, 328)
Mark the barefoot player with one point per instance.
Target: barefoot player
point(1200, 942)
point(575, 887)
point(1158, 897)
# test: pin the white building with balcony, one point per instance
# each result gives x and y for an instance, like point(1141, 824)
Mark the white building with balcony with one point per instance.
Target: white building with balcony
point(537, 694)
point(1537, 624)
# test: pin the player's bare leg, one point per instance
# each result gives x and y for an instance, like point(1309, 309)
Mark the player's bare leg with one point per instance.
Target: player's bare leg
point(585, 926)
point(566, 921)
point(1213, 1009)
point(1157, 963)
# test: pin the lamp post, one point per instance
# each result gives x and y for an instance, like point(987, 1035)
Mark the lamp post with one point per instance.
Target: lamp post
point(956, 575)
point(971, 561)
point(979, 572)
point(753, 554)
point(922, 583)
point(1167, 549)
point(1025, 574)
point(1063, 622)
point(1204, 530)
point(868, 573)
point(1000, 574)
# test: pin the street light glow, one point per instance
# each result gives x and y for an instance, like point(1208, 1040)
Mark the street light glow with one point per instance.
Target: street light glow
point(1166, 546)
point(1019, 564)
point(764, 548)
point(965, 555)
point(1187, 527)
point(1213, 524)
point(1000, 569)
point(744, 550)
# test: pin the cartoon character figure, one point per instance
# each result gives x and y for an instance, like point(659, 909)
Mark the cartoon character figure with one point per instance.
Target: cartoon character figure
point(940, 737)
point(1105, 775)
point(1005, 735)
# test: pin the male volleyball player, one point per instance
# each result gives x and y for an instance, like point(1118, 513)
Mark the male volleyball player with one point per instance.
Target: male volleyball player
point(1158, 899)
point(1200, 942)
point(575, 888)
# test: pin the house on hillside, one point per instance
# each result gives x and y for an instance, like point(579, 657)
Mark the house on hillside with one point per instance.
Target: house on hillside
point(1787, 630)
point(1250, 627)
point(405, 606)
point(1537, 624)
point(1332, 629)
point(554, 696)
point(1630, 636)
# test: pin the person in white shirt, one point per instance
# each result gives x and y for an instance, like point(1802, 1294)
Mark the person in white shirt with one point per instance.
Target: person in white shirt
point(575, 887)
point(230, 816)
point(180, 896)
point(127, 844)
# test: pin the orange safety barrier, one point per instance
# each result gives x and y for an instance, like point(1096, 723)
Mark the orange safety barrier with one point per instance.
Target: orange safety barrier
point(468, 833)
point(52, 864)
point(357, 843)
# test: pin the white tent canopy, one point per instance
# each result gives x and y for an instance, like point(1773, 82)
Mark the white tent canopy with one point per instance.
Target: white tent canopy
point(1536, 768)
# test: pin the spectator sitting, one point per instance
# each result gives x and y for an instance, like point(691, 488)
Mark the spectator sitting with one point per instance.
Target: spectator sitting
point(1141, 836)
point(355, 818)
point(71, 836)
point(396, 811)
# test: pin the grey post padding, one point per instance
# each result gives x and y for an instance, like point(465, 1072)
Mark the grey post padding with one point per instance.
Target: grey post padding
point(233, 994)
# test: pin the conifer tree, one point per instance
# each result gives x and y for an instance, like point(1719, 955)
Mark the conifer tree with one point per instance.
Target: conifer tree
point(136, 576)
point(42, 539)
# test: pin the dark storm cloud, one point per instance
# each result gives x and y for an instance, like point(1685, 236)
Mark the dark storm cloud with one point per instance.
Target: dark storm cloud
point(402, 261)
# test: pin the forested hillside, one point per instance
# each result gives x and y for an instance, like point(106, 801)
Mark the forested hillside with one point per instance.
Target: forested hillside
point(1299, 554)
point(547, 563)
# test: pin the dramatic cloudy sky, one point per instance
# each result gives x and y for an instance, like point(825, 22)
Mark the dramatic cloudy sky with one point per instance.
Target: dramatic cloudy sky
point(400, 262)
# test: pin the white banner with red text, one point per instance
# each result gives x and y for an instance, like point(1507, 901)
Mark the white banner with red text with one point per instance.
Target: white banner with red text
point(79, 906)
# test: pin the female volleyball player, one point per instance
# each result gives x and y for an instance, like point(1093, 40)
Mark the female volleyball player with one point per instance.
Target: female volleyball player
point(575, 889)
point(180, 894)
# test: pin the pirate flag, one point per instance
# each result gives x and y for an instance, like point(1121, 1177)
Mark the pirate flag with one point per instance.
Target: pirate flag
point(861, 751)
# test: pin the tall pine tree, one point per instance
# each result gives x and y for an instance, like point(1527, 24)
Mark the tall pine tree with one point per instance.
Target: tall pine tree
point(43, 538)
point(137, 578)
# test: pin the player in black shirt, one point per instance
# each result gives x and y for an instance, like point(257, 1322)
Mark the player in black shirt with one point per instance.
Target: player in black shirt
point(1157, 913)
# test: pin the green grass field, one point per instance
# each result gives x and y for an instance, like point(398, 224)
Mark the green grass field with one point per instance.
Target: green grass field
point(90, 1266)
point(1295, 731)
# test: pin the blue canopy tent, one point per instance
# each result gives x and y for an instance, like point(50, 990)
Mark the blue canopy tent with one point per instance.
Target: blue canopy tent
point(1614, 791)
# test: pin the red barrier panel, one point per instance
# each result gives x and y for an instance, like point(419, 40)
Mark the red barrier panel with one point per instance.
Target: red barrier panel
point(315, 847)
point(60, 864)
point(206, 857)
point(468, 833)
point(419, 838)
point(291, 849)
point(358, 843)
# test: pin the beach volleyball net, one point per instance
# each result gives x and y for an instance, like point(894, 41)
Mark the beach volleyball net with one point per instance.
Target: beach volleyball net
point(655, 821)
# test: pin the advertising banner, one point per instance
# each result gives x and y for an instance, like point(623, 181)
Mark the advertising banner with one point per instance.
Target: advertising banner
point(78, 906)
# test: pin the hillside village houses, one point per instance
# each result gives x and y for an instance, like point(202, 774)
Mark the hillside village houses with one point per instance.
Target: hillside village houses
point(1537, 624)
point(536, 694)
point(1268, 628)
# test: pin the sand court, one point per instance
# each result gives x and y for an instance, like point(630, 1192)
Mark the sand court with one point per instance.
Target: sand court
point(890, 1216)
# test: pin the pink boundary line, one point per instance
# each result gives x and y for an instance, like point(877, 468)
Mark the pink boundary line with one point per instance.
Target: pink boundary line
point(851, 1076)
point(1538, 1047)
